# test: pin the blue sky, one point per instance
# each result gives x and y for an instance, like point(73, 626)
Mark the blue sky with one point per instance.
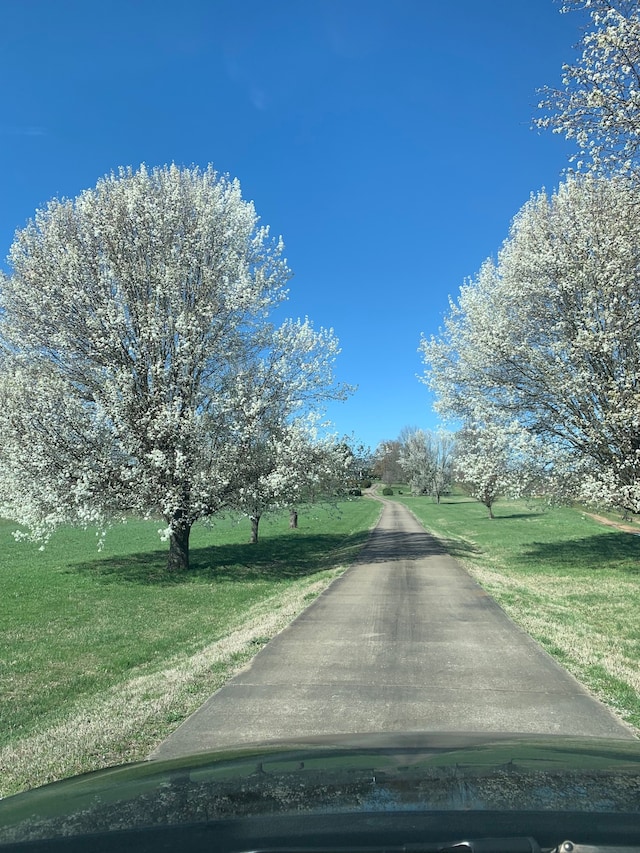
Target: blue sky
point(387, 141)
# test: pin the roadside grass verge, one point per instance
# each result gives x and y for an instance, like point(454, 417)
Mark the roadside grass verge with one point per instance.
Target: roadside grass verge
point(103, 654)
point(570, 582)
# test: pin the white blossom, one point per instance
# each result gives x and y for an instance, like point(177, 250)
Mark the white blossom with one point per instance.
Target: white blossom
point(599, 106)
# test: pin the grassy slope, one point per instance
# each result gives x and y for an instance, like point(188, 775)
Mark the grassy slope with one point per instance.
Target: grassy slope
point(102, 654)
point(571, 582)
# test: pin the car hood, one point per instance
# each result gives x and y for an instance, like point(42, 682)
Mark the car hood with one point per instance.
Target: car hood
point(355, 775)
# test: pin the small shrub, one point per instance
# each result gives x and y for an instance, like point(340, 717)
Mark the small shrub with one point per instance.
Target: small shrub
point(357, 493)
point(387, 490)
point(365, 484)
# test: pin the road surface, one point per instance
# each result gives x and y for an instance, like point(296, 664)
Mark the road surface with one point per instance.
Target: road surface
point(405, 640)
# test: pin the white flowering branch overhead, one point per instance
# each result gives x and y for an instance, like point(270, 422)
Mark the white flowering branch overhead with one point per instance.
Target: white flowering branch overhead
point(598, 106)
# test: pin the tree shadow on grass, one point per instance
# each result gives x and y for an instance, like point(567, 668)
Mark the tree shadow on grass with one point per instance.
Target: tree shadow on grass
point(284, 557)
point(460, 548)
point(615, 550)
point(505, 515)
point(275, 558)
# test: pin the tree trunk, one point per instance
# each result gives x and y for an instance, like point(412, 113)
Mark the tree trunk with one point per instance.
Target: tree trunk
point(179, 549)
point(293, 519)
point(491, 515)
point(255, 521)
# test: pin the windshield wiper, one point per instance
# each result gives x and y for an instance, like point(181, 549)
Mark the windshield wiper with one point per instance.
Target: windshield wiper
point(475, 845)
point(572, 847)
point(487, 845)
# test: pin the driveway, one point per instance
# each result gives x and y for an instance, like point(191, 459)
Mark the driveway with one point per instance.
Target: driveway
point(405, 640)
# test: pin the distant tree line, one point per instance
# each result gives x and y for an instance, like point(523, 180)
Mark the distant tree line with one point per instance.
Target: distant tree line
point(421, 458)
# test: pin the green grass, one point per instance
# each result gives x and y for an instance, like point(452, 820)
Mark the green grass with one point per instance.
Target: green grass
point(571, 582)
point(86, 636)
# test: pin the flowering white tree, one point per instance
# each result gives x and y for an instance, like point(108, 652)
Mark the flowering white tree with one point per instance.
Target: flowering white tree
point(270, 471)
point(482, 465)
point(599, 106)
point(278, 451)
point(129, 324)
point(444, 455)
point(426, 459)
point(547, 339)
point(287, 465)
point(360, 462)
point(417, 461)
point(487, 464)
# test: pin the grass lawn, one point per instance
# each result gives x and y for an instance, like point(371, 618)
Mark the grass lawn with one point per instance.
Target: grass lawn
point(572, 583)
point(103, 654)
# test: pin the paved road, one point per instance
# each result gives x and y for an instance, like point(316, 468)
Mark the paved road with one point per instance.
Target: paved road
point(403, 641)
